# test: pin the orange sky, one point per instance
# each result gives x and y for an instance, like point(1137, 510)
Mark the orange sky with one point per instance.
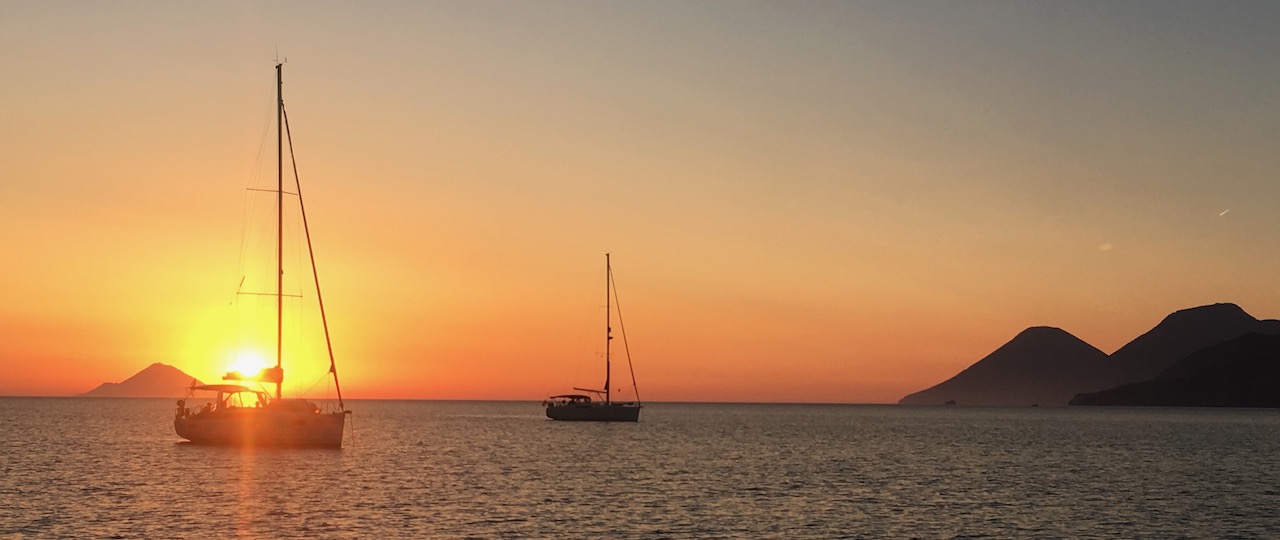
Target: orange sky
point(807, 202)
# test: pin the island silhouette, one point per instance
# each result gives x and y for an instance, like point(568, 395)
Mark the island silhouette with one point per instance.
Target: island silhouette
point(156, 380)
point(1243, 372)
point(1041, 365)
point(1049, 366)
point(1214, 355)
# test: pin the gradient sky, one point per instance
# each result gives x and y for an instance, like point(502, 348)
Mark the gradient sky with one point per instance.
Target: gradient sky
point(805, 201)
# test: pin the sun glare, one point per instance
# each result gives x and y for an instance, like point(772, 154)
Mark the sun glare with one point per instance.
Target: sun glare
point(248, 362)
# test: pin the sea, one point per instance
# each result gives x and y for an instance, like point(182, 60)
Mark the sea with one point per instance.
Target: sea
point(113, 468)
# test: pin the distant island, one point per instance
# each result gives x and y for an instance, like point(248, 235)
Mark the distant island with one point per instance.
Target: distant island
point(1041, 365)
point(1051, 367)
point(156, 380)
point(1243, 372)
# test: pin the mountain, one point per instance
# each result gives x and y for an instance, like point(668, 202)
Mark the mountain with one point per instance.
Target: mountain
point(1178, 335)
point(1040, 366)
point(1047, 366)
point(157, 380)
point(1243, 372)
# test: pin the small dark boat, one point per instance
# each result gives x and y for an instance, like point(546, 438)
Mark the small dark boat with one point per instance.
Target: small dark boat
point(580, 407)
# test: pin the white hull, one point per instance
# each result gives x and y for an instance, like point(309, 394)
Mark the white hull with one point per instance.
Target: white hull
point(246, 426)
point(594, 412)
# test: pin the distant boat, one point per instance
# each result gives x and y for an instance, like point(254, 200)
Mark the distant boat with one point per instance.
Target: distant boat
point(240, 415)
point(581, 407)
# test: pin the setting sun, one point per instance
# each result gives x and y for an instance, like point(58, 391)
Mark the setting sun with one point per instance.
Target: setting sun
point(247, 362)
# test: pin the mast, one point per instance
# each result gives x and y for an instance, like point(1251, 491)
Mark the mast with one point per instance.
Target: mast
point(279, 224)
point(608, 328)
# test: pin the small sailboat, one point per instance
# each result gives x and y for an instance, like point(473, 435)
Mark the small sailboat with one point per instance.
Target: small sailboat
point(581, 407)
point(242, 415)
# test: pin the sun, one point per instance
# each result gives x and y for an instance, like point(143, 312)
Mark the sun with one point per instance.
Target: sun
point(248, 362)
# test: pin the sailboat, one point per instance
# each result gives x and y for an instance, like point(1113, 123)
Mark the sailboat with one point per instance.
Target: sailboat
point(243, 415)
point(581, 407)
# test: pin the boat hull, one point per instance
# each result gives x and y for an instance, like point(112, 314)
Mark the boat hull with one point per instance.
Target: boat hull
point(594, 412)
point(263, 427)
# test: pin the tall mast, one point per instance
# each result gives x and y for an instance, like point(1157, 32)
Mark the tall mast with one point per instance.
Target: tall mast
point(608, 327)
point(279, 223)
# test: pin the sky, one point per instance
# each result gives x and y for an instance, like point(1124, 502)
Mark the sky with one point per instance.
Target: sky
point(839, 202)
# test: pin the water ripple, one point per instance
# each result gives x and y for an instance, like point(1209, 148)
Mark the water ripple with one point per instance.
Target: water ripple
point(114, 469)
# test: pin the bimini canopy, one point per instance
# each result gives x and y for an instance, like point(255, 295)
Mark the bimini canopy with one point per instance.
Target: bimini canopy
point(224, 388)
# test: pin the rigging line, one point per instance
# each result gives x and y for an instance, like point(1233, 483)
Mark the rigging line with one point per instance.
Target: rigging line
point(271, 191)
point(271, 294)
point(314, 385)
point(244, 228)
point(352, 423)
point(251, 204)
point(625, 347)
point(324, 321)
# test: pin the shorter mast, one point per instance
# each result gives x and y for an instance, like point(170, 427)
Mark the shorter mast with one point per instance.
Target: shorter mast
point(608, 327)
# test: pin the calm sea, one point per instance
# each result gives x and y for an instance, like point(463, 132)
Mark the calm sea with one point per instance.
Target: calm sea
point(112, 468)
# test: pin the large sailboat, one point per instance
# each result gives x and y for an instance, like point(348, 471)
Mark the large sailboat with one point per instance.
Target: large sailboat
point(244, 415)
point(581, 407)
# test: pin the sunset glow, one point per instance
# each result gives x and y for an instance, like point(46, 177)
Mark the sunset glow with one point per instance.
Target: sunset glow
point(248, 363)
point(810, 202)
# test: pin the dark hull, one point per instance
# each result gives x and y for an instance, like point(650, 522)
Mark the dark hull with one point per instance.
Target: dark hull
point(263, 427)
point(595, 412)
